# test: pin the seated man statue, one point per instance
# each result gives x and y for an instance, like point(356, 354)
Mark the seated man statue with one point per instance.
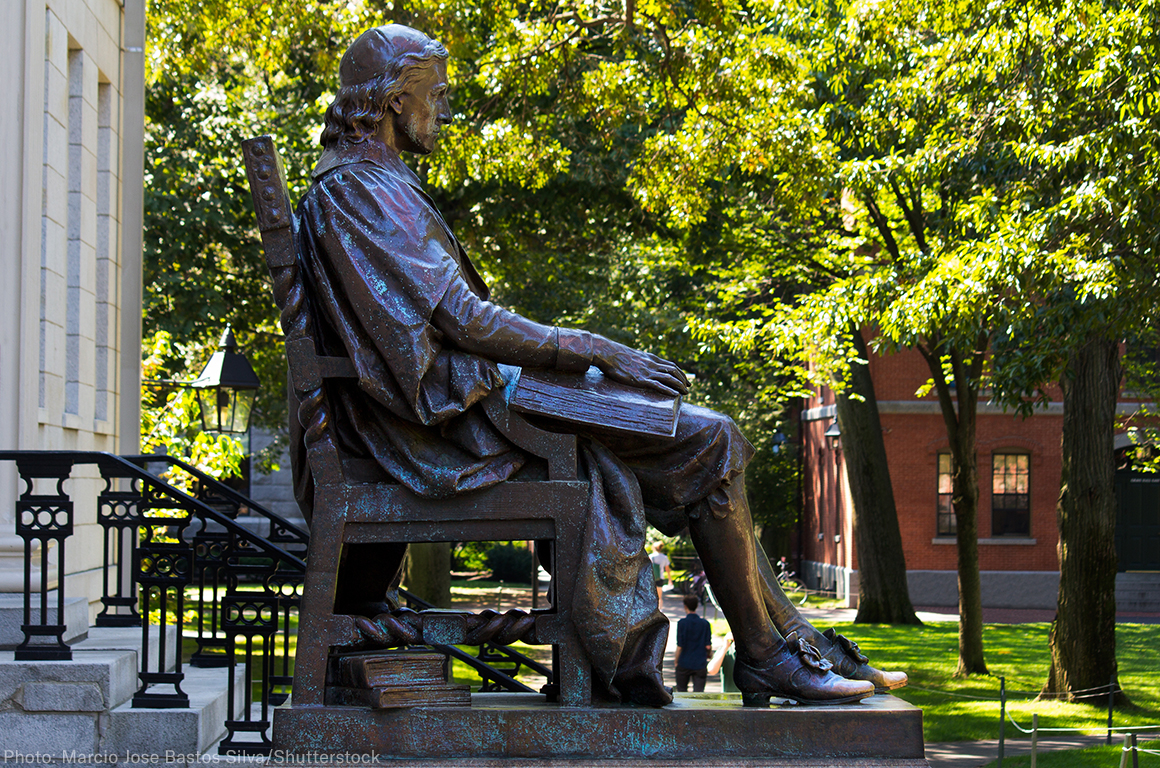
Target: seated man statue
point(393, 290)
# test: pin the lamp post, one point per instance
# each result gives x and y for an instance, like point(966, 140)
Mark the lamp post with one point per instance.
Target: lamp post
point(834, 435)
point(226, 388)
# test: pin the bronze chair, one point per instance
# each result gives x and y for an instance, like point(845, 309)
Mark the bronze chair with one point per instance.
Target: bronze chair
point(348, 512)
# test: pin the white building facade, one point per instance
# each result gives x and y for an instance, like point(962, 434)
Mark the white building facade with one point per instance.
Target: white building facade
point(71, 163)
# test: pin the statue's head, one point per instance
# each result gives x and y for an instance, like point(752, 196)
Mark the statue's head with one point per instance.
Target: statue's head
point(390, 73)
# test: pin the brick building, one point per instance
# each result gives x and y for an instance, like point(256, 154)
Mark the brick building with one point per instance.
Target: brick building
point(1019, 463)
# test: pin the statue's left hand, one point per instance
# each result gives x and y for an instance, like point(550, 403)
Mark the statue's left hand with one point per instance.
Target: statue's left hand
point(637, 368)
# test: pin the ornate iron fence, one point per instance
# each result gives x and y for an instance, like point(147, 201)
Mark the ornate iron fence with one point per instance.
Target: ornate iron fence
point(181, 559)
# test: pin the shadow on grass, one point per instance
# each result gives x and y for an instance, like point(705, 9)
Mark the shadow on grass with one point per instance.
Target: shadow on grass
point(957, 709)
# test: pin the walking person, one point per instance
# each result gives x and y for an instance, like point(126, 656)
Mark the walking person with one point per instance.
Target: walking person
point(662, 572)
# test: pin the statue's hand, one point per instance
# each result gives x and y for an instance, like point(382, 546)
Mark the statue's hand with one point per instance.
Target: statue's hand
point(638, 369)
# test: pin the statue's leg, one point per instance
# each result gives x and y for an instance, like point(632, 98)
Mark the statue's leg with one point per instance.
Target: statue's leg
point(369, 578)
point(699, 474)
point(844, 654)
point(767, 665)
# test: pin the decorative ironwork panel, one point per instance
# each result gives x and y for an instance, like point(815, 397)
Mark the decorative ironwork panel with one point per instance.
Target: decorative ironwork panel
point(250, 620)
point(210, 547)
point(164, 565)
point(47, 520)
point(119, 515)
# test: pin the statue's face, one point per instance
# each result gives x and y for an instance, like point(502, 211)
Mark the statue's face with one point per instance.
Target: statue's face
point(423, 111)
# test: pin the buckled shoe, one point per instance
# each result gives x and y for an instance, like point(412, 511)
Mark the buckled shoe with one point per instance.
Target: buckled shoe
point(796, 671)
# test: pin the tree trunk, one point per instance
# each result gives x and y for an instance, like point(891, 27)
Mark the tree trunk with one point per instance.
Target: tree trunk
point(1083, 635)
point(965, 499)
point(960, 417)
point(883, 595)
point(429, 572)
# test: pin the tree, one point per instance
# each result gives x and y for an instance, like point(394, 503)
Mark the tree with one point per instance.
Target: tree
point(719, 148)
point(220, 71)
point(1087, 110)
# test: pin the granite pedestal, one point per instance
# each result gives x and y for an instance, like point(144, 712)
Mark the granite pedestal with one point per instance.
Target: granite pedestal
point(519, 729)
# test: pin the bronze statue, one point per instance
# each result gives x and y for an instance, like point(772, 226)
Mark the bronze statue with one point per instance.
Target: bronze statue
point(393, 290)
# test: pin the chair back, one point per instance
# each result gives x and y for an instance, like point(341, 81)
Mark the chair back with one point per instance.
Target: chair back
point(279, 228)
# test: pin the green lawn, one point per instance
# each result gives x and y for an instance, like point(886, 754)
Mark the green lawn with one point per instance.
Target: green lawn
point(957, 709)
point(1093, 757)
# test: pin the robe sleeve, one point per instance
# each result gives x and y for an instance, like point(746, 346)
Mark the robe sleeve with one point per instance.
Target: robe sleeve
point(477, 326)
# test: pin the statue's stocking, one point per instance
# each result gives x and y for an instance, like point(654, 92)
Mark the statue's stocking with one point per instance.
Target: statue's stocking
point(722, 532)
point(785, 615)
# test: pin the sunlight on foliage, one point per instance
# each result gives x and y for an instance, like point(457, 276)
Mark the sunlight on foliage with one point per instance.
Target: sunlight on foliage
point(170, 422)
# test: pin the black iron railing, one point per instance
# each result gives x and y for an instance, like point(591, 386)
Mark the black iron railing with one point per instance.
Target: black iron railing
point(171, 560)
point(183, 560)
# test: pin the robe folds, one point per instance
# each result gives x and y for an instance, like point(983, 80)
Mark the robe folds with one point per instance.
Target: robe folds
point(378, 259)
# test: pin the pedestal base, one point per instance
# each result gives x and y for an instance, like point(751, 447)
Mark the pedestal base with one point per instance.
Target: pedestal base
point(697, 729)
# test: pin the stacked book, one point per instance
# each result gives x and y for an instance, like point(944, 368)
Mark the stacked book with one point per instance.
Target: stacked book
point(397, 679)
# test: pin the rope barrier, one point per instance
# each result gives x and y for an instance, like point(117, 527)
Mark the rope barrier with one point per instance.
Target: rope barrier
point(1101, 728)
point(914, 687)
point(1098, 691)
point(1033, 694)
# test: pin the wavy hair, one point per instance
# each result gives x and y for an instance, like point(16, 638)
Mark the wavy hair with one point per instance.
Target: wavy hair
point(357, 110)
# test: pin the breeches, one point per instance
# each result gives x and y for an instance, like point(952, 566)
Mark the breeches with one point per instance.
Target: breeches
point(682, 476)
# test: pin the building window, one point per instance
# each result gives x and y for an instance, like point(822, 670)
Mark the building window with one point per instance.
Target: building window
point(1010, 498)
point(946, 511)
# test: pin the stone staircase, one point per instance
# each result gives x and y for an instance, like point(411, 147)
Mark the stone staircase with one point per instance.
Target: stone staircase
point(83, 707)
point(1138, 592)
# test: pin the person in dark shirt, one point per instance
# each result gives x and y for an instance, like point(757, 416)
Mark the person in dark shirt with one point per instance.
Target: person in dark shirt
point(694, 641)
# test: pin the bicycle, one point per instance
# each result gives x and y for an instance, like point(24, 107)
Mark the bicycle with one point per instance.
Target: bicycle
point(790, 583)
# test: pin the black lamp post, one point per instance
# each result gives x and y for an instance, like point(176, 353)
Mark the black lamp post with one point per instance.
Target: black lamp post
point(226, 389)
point(834, 435)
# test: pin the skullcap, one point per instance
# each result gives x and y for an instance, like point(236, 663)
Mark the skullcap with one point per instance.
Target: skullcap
point(379, 50)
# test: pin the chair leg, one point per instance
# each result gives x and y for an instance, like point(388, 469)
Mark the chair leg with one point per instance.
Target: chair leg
point(573, 675)
point(314, 630)
point(573, 672)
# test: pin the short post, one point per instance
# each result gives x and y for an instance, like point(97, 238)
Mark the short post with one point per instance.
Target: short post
point(1129, 746)
point(1034, 738)
point(1002, 716)
point(1111, 704)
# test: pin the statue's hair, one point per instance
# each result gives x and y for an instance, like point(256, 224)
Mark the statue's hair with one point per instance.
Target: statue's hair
point(357, 110)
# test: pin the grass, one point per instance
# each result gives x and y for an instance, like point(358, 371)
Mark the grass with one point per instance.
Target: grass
point(1092, 757)
point(958, 709)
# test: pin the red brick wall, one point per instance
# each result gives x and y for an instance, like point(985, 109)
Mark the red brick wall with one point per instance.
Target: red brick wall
point(913, 442)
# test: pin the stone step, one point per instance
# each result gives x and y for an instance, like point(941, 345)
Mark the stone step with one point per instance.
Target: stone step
point(111, 674)
point(76, 617)
point(129, 639)
point(176, 734)
point(57, 705)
